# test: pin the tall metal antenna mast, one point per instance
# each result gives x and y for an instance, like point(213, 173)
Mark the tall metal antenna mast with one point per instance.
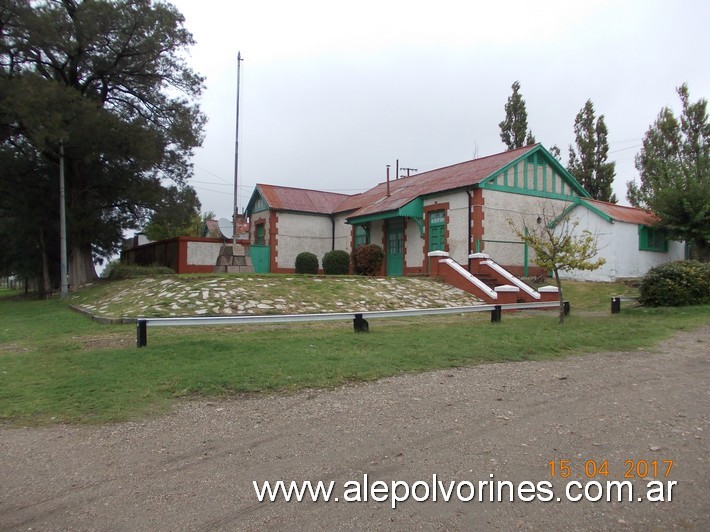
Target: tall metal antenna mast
point(408, 170)
point(236, 151)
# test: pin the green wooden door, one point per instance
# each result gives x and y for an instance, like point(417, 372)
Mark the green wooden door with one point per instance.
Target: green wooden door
point(437, 231)
point(260, 258)
point(259, 251)
point(395, 247)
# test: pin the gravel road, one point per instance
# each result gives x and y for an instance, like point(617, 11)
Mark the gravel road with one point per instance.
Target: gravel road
point(194, 469)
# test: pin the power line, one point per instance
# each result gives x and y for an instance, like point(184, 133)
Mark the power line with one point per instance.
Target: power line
point(211, 183)
point(624, 149)
point(213, 174)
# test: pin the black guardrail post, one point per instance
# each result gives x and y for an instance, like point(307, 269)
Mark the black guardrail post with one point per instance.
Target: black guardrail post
point(615, 305)
point(141, 333)
point(360, 324)
point(496, 314)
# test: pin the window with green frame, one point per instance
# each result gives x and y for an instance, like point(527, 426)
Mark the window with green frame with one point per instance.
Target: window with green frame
point(259, 235)
point(362, 235)
point(437, 230)
point(651, 239)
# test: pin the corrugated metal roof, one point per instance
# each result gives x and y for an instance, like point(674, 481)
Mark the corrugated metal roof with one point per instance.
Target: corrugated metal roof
point(622, 213)
point(299, 199)
point(406, 189)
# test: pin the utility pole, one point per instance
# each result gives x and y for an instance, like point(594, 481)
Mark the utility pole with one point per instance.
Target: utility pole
point(236, 153)
point(62, 226)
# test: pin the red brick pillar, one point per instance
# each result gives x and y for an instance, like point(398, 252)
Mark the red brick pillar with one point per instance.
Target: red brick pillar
point(549, 293)
point(507, 294)
point(434, 258)
point(475, 260)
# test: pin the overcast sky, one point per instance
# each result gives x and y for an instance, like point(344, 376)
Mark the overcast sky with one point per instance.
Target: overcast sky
point(332, 92)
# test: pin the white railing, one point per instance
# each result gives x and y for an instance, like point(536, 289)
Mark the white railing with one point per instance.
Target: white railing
point(512, 278)
point(472, 278)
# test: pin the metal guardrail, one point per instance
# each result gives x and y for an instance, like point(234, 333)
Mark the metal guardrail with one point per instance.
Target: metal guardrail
point(359, 319)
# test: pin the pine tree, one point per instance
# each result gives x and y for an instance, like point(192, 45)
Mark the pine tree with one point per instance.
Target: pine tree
point(514, 129)
point(588, 163)
point(674, 169)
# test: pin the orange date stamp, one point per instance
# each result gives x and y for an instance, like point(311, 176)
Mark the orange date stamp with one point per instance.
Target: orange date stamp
point(630, 469)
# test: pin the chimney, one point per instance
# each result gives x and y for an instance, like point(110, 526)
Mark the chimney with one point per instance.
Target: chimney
point(388, 180)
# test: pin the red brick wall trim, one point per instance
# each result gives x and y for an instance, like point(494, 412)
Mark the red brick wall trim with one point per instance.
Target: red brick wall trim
point(383, 268)
point(162, 251)
point(477, 218)
point(273, 240)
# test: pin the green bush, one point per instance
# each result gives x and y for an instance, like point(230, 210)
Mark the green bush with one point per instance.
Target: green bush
point(676, 284)
point(336, 262)
point(368, 259)
point(307, 262)
point(129, 271)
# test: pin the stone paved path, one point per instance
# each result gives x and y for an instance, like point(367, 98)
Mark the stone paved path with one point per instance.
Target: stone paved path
point(233, 295)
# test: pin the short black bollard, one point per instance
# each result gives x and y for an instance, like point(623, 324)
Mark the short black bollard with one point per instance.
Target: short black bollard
point(360, 324)
point(566, 308)
point(496, 314)
point(615, 305)
point(141, 333)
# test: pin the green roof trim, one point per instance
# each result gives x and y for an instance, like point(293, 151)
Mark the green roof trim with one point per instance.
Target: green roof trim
point(489, 182)
point(582, 203)
point(372, 217)
point(413, 209)
point(528, 192)
point(255, 197)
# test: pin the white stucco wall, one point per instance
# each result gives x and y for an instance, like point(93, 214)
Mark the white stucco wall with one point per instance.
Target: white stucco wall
point(522, 210)
point(618, 243)
point(303, 232)
point(377, 233)
point(343, 234)
point(203, 253)
point(414, 244)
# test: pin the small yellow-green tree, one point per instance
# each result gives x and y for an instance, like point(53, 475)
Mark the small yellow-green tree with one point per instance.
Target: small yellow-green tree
point(560, 246)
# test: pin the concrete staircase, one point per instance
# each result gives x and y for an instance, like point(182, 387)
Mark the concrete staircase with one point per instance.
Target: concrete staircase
point(233, 258)
point(487, 280)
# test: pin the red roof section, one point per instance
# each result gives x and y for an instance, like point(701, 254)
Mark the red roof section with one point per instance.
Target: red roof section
point(632, 215)
point(299, 199)
point(406, 189)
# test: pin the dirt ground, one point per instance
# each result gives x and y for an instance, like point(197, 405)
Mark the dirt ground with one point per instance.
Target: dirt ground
point(193, 469)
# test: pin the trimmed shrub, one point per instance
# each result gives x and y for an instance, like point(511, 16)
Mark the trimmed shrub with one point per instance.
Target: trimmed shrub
point(336, 262)
point(367, 259)
point(307, 262)
point(676, 284)
point(129, 271)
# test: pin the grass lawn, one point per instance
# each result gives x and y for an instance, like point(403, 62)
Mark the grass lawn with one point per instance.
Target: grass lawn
point(58, 366)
